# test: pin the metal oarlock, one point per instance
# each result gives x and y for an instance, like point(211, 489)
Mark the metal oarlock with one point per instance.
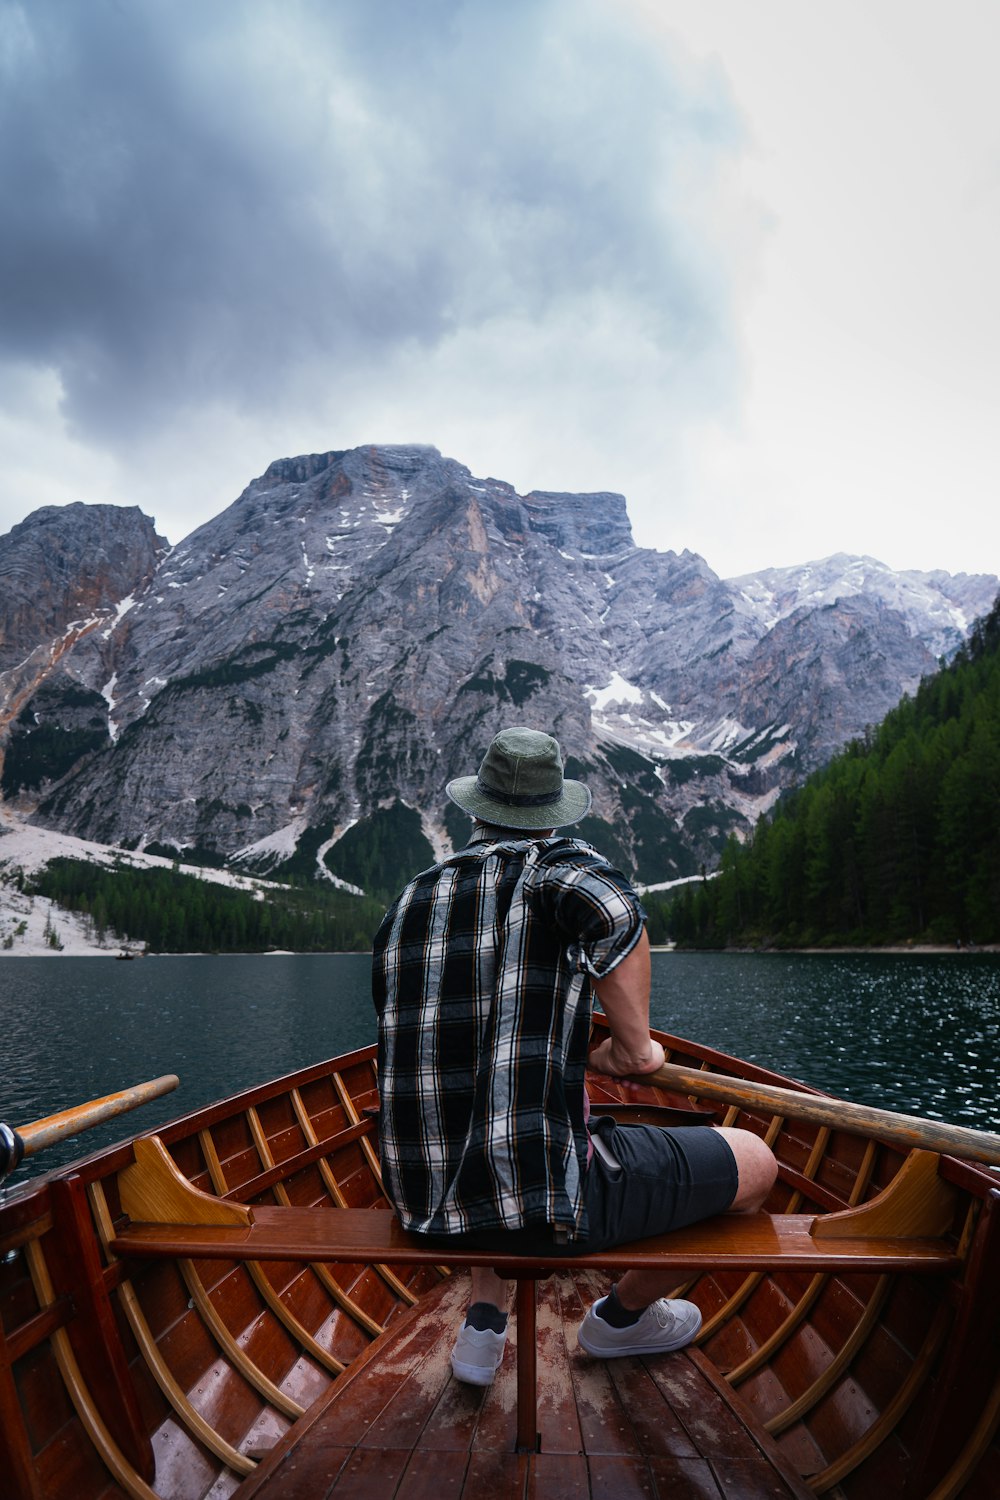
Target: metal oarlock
point(11, 1151)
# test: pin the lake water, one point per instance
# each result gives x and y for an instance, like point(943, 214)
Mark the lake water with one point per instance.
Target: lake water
point(912, 1033)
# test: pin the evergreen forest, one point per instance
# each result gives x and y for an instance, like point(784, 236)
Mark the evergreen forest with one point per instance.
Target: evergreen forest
point(166, 911)
point(896, 840)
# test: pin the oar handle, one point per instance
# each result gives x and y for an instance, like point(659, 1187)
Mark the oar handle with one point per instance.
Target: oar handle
point(859, 1119)
point(42, 1133)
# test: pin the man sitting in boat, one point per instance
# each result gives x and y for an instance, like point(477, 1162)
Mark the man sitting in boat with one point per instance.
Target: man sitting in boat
point(484, 973)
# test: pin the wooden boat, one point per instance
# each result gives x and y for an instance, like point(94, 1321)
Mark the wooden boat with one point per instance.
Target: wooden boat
point(143, 1354)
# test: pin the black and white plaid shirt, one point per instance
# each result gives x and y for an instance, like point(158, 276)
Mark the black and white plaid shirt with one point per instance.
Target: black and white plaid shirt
point(481, 980)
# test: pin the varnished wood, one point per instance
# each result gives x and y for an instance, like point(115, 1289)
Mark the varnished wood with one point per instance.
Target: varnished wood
point(371, 1156)
point(835, 1369)
point(527, 1366)
point(75, 1268)
point(909, 1131)
point(403, 1394)
point(153, 1188)
point(15, 1449)
point(302, 1335)
point(332, 1286)
point(917, 1202)
point(973, 1355)
point(70, 1122)
point(890, 1415)
point(846, 1343)
point(973, 1452)
point(173, 1391)
point(236, 1356)
point(735, 1241)
point(79, 1391)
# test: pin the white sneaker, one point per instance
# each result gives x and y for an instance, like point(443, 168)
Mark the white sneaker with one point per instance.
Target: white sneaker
point(477, 1354)
point(663, 1326)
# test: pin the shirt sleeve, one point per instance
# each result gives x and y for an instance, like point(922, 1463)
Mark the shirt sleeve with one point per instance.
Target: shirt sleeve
point(592, 906)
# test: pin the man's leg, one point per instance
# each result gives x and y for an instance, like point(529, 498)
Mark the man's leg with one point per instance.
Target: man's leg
point(635, 1317)
point(481, 1339)
point(756, 1170)
point(487, 1286)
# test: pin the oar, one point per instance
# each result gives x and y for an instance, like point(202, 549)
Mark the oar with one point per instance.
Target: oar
point(14, 1144)
point(858, 1119)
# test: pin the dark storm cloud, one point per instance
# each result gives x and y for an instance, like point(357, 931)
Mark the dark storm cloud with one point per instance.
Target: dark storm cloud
point(226, 202)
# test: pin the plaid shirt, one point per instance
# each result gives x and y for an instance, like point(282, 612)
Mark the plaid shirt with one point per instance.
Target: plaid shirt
point(482, 983)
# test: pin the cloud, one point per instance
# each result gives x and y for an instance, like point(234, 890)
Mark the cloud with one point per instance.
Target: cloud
point(285, 215)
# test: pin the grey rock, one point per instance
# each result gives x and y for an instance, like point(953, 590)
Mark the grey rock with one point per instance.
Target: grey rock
point(66, 565)
point(351, 632)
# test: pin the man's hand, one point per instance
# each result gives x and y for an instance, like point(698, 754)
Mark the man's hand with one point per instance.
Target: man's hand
point(612, 1057)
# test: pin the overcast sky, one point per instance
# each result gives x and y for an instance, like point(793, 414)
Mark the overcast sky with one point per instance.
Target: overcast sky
point(735, 260)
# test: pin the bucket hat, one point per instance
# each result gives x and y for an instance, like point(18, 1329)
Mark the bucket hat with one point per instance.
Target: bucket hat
point(521, 784)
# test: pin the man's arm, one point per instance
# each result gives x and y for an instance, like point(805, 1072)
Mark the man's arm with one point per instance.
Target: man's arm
point(624, 998)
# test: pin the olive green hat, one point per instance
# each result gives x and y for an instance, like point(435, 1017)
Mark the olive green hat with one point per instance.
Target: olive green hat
point(521, 784)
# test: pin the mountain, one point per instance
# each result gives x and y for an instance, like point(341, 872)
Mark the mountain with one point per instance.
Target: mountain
point(896, 840)
point(66, 567)
point(293, 685)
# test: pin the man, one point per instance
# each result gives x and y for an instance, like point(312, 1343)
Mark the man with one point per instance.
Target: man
point(484, 973)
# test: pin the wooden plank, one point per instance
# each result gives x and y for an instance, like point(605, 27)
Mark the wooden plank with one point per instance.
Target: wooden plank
point(749, 1479)
point(614, 1477)
point(709, 1421)
point(972, 1356)
point(658, 1430)
point(36, 1330)
point(453, 1425)
point(368, 1474)
point(442, 1476)
point(402, 1419)
point(768, 1449)
point(75, 1267)
point(15, 1450)
point(690, 1478)
point(604, 1424)
point(562, 1476)
point(731, 1241)
point(558, 1420)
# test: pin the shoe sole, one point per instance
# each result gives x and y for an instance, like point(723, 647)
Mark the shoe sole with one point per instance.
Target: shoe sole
point(473, 1374)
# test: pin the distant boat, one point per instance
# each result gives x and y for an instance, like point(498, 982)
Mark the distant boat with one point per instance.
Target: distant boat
point(851, 1355)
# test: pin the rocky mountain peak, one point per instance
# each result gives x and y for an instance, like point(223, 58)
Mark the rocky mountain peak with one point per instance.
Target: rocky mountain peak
point(65, 565)
point(298, 679)
point(595, 526)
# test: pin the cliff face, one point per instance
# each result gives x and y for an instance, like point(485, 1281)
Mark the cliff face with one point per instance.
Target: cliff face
point(67, 564)
point(301, 676)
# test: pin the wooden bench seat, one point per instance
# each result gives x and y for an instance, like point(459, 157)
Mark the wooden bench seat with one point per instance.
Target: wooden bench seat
point(739, 1242)
point(900, 1230)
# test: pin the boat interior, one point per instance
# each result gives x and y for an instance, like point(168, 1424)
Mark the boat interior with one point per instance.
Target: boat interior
point(228, 1305)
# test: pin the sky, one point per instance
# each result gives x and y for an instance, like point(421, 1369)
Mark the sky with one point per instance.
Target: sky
point(736, 261)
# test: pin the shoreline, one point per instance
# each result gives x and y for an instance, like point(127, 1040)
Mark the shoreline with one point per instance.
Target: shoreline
point(916, 950)
point(81, 948)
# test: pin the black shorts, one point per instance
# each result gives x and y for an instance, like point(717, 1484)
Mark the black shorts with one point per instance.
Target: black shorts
point(662, 1179)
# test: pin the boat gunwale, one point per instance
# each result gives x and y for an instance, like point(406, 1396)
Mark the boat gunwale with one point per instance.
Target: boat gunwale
point(972, 1176)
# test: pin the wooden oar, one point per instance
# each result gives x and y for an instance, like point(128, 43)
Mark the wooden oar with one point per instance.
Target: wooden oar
point(858, 1119)
point(42, 1133)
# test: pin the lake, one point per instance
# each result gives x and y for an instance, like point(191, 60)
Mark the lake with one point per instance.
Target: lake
point(915, 1033)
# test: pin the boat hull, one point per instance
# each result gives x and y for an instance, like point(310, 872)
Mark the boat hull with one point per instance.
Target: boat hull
point(189, 1377)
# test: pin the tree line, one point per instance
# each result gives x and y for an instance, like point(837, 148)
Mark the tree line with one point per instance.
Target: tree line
point(896, 839)
point(168, 912)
